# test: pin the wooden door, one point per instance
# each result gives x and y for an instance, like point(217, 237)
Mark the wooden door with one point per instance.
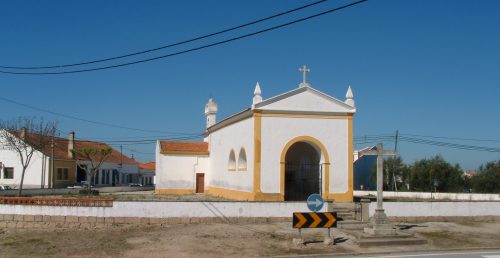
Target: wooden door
point(200, 183)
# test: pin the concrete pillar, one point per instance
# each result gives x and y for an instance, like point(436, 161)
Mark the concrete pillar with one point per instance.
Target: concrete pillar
point(365, 209)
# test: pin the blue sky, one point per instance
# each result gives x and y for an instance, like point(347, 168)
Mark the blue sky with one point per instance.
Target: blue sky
point(421, 67)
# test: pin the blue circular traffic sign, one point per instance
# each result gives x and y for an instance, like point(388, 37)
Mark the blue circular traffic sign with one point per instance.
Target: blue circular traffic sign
point(315, 202)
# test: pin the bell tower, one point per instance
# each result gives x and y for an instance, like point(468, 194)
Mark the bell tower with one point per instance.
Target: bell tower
point(210, 112)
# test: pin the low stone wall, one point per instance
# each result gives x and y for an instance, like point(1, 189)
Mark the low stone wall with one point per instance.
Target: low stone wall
point(432, 196)
point(445, 219)
point(12, 221)
point(58, 191)
point(166, 209)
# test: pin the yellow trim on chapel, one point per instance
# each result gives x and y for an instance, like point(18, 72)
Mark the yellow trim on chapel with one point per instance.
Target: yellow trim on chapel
point(347, 196)
point(175, 191)
point(324, 152)
point(257, 141)
point(306, 115)
point(256, 194)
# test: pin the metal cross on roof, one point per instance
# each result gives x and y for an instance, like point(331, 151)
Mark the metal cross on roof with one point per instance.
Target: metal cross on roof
point(304, 70)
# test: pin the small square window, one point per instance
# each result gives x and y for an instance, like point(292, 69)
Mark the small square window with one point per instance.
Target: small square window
point(65, 174)
point(8, 173)
point(59, 173)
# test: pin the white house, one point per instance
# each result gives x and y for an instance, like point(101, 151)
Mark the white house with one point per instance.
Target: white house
point(279, 149)
point(36, 175)
point(147, 173)
point(117, 170)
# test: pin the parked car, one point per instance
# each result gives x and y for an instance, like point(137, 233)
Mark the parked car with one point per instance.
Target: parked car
point(5, 187)
point(83, 184)
point(134, 185)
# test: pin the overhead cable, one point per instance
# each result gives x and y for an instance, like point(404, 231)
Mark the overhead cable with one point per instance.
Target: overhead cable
point(192, 49)
point(169, 45)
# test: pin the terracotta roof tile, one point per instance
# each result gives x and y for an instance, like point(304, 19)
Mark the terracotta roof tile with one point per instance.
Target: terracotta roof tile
point(149, 165)
point(195, 147)
point(115, 157)
point(61, 149)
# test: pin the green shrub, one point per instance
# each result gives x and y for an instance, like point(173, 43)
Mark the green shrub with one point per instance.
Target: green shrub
point(86, 192)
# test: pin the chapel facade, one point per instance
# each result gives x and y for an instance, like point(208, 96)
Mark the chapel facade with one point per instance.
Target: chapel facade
point(283, 148)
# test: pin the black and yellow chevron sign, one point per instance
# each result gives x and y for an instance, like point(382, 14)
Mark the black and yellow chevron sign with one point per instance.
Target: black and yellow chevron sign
point(314, 219)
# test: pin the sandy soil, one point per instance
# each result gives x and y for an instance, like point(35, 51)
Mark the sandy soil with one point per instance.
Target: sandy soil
point(224, 240)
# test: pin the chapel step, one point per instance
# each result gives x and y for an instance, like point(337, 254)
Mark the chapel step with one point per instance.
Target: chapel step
point(351, 225)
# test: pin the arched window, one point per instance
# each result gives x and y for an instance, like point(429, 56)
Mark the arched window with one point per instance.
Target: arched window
point(242, 160)
point(232, 161)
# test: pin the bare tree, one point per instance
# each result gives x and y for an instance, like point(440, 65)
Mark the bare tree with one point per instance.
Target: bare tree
point(95, 156)
point(25, 136)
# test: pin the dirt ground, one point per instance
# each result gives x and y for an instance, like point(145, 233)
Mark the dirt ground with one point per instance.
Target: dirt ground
point(225, 240)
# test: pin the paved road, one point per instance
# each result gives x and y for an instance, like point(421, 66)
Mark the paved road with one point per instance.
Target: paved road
point(437, 254)
point(486, 253)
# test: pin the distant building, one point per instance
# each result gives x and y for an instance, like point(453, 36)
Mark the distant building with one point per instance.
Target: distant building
point(117, 170)
point(279, 149)
point(470, 173)
point(147, 173)
point(363, 168)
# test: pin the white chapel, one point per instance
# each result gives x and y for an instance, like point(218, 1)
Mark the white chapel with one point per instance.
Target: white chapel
point(282, 148)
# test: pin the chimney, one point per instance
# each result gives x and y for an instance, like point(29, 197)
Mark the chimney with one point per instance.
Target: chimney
point(23, 133)
point(71, 145)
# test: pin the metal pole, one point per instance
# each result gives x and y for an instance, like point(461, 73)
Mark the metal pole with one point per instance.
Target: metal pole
point(121, 161)
point(394, 163)
point(51, 177)
point(380, 176)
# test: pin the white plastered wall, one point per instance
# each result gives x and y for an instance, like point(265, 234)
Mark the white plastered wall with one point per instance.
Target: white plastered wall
point(33, 175)
point(123, 170)
point(308, 101)
point(278, 131)
point(233, 137)
point(179, 171)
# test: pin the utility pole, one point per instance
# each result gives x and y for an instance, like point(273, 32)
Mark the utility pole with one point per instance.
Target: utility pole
point(394, 163)
point(121, 161)
point(51, 177)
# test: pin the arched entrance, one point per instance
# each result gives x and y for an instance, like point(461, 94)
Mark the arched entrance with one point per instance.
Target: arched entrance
point(302, 171)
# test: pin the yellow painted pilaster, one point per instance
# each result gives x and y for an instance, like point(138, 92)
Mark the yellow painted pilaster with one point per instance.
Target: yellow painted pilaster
point(257, 132)
point(350, 151)
point(347, 196)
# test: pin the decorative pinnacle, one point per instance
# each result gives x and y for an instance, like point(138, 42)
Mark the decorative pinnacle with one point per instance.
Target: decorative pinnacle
point(257, 89)
point(350, 97)
point(349, 94)
point(257, 98)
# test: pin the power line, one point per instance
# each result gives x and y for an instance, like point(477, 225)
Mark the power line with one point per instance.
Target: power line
point(172, 44)
point(449, 145)
point(454, 138)
point(86, 120)
point(369, 139)
point(192, 49)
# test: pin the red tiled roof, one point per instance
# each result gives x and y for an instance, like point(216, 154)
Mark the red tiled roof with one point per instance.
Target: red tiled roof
point(149, 165)
point(61, 148)
point(195, 147)
point(115, 157)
